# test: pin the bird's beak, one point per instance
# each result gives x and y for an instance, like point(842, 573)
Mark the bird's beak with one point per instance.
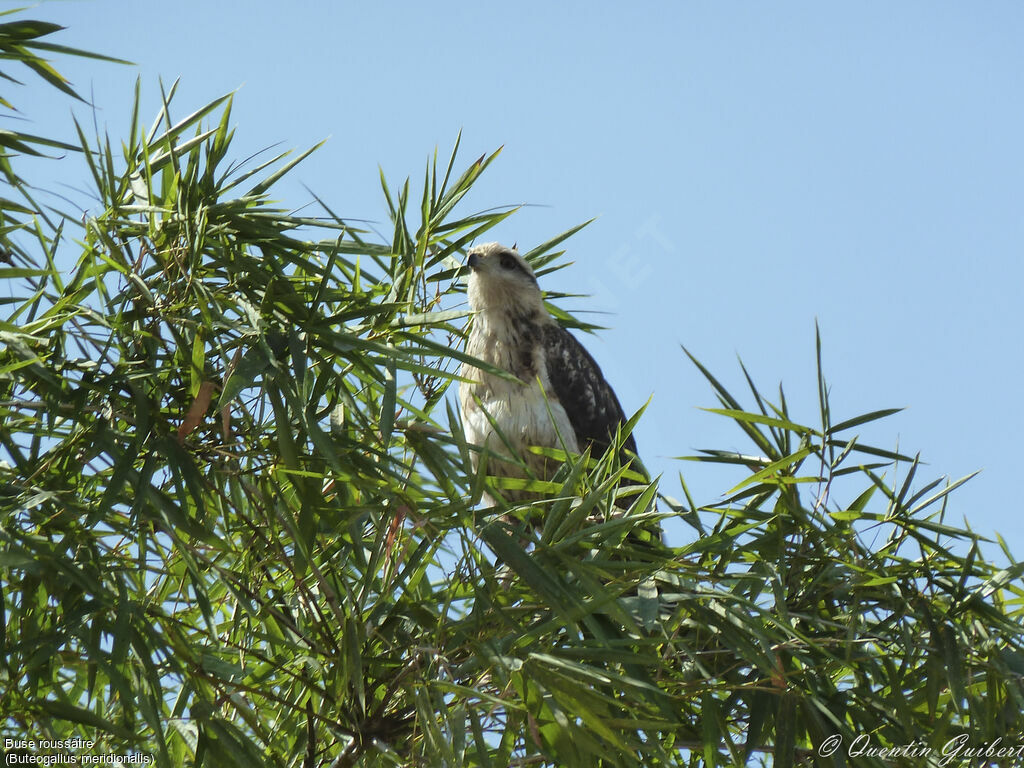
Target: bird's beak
point(474, 261)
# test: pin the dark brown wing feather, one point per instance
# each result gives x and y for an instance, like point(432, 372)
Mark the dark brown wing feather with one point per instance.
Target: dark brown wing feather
point(591, 405)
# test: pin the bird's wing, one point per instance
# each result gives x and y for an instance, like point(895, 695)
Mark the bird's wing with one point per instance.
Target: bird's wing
point(591, 405)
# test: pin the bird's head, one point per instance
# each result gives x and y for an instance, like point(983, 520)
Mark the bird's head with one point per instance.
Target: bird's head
point(500, 278)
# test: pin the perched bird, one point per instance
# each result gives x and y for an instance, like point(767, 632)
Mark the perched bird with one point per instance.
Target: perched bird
point(560, 399)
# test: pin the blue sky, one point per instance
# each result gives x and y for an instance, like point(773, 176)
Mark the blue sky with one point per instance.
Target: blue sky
point(753, 168)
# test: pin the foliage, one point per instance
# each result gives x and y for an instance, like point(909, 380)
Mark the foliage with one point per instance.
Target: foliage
point(238, 525)
point(22, 42)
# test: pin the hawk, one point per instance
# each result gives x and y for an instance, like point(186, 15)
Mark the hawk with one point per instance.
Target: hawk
point(560, 398)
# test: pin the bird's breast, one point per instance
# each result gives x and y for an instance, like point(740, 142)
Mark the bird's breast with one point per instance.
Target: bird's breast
point(526, 411)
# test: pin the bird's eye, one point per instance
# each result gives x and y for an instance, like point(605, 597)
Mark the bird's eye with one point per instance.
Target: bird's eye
point(507, 262)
